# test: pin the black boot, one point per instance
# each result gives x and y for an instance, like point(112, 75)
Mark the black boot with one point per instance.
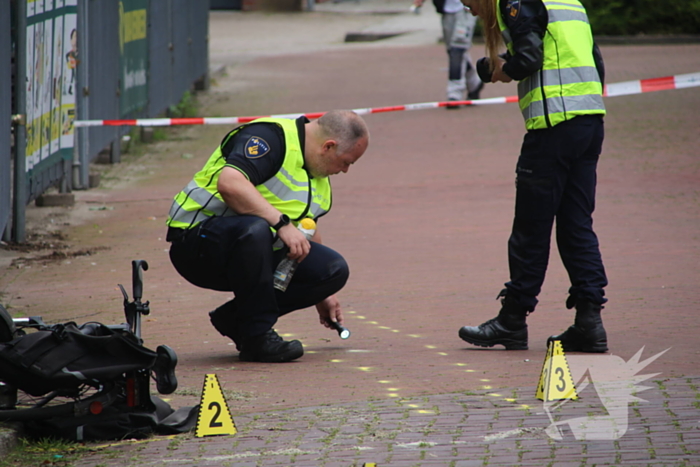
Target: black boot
point(508, 328)
point(587, 334)
point(270, 348)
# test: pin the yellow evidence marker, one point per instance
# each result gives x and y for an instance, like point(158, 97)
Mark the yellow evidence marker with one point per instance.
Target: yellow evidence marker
point(556, 382)
point(214, 418)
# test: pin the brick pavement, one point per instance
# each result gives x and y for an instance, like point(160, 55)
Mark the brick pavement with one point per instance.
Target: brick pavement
point(401, 355)
point(461, 430)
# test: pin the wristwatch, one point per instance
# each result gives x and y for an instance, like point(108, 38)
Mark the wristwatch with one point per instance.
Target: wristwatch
point(284, 220)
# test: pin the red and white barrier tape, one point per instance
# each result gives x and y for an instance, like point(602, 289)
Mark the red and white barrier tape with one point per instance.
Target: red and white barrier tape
point(616, 89)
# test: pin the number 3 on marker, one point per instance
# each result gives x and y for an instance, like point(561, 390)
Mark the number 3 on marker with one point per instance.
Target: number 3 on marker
point(559, 371)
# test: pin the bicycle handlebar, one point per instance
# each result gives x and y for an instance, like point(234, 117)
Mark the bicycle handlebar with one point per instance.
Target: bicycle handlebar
point(137, 277)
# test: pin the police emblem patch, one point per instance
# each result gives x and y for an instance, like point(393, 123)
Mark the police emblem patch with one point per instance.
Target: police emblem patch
point(513, 8)
point(256, 147)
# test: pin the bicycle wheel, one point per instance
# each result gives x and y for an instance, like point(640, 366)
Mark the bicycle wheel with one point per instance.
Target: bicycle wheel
point(83, 401)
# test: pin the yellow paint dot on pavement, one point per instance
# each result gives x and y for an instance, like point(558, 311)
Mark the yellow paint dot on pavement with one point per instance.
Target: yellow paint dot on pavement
point(335, 360)
point(395, 330)
point(509, 399)
point(487, 387)
point(393, 394)
point(485, 380)
point(461, 364)
point(384, 327)
point(372, 322)
point(442, 353)
point(392, 389)
point(414, 335)
point(360, 317)
point(384, 381)
point(429, 346)
point(364, 368)
point(470, 371)
point(495, 394)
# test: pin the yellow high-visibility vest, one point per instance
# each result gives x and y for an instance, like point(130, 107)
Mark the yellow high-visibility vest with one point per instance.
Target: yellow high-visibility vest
point(292, 191)
point(568, 83)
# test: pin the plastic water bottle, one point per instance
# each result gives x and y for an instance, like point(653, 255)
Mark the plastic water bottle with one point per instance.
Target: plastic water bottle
point(285, 270)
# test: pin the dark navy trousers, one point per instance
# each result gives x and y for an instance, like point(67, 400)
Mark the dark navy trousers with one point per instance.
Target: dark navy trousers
point(235, 254)
point(556, 180)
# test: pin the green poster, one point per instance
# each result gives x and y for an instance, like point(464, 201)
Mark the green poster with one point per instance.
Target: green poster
point(133, 49)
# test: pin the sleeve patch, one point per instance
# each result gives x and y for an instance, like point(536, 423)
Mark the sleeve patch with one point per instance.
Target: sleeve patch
point(513, 9)
point(256, 147)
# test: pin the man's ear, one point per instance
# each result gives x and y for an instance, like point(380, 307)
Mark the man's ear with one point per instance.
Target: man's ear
point(329, 145)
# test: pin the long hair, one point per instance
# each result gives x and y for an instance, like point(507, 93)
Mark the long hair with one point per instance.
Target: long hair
point(492, 32)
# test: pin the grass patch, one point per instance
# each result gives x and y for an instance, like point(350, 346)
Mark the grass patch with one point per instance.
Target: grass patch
point(46, 451)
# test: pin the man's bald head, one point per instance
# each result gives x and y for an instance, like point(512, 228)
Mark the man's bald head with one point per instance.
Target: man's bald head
point(343, 126)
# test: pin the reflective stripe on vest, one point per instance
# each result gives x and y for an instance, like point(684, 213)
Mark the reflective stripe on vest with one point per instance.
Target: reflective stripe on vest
point(568, 83)
point(291, 190)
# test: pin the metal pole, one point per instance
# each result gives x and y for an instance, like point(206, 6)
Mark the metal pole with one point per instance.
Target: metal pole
point(81, 155)
point(20, 186)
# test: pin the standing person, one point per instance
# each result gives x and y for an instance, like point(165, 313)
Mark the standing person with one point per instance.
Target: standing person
point(550, 51)
point(457, 32)
point(262, 180)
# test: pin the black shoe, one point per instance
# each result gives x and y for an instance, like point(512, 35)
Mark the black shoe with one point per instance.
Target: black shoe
point(164, 368)
point(226, 328)
point(587, 334)
point(476, 93)
point(270, 348)
point(576, 339)
point(492, 332)
point(452, 106)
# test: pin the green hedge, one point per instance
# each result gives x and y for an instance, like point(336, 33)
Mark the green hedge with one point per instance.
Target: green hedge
point(631, 17)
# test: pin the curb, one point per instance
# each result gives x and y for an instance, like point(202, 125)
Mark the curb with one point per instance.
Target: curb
point(8, 439)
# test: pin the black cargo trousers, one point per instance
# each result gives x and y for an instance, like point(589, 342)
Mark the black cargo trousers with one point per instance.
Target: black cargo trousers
point(556, 180)
point(235, 254)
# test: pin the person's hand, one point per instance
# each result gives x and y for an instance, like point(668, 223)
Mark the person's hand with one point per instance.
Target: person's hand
point(329, 310)
point(499, 74)
point(296, 241)
point(417, 3)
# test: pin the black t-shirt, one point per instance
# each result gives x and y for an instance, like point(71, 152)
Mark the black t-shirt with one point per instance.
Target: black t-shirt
point(258, 150)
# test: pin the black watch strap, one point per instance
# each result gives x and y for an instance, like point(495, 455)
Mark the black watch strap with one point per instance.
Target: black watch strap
point(284, 220)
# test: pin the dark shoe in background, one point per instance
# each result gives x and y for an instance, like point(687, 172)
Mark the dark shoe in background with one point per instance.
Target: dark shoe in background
point(476, 93)
point(452, 106)
point(270, 348)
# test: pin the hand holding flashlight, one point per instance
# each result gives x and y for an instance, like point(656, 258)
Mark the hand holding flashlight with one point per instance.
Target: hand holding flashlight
point(343, 332)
